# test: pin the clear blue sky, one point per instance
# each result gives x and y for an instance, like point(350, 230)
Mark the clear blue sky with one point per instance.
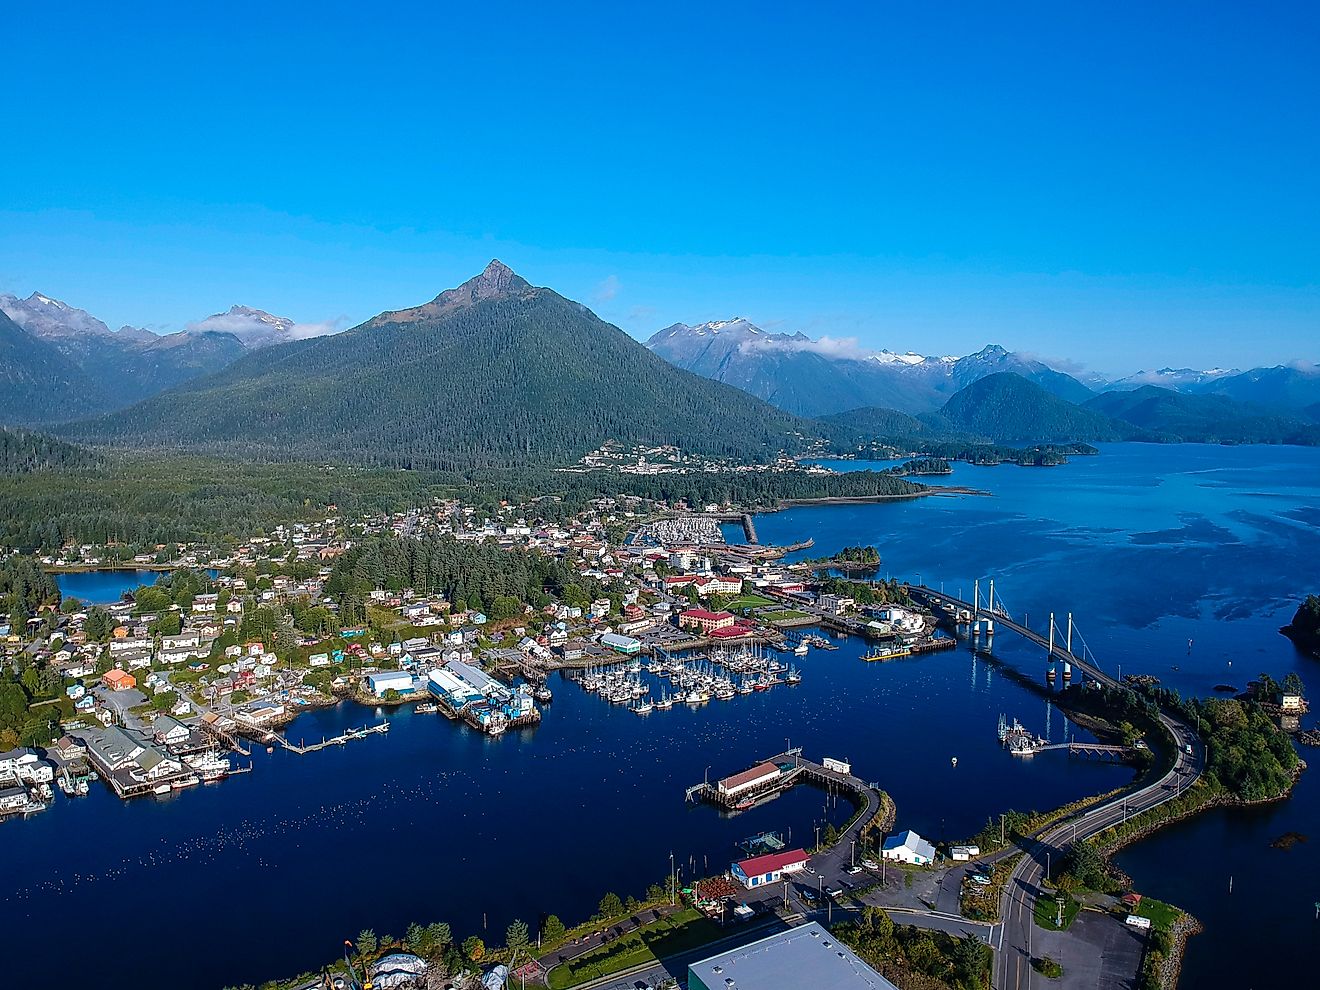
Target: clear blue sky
point(1125, 185)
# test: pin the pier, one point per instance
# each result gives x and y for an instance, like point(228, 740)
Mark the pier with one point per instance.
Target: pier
point(793, 769)
point(749, 528)
point(339, 740)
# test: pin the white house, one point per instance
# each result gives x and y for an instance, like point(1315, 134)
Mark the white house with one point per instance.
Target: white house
point(908, 847)
point(390, 680)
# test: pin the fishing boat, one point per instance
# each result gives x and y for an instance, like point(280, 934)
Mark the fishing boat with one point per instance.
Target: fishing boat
point(543, 695)
point(800, 650)
point(192, 780)
point(161, 789)
point(665, 702)
point(793, 676)
point(643, 708)
point(427, 708)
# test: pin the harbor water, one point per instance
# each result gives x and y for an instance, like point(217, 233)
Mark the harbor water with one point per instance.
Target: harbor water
point(1150, 547)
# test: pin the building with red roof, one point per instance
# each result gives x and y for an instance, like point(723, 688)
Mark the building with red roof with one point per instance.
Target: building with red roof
point(761, 870)
point(706, 622)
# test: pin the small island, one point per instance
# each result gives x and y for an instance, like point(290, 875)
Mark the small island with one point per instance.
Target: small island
point(1304, 630)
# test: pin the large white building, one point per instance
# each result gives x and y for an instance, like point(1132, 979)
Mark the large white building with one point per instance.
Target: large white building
point(804, 957)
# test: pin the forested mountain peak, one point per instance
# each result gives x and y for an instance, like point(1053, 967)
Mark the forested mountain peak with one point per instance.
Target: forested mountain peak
point(496, 281)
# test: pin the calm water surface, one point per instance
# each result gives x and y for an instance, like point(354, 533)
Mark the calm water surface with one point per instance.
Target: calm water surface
point(1149, 546)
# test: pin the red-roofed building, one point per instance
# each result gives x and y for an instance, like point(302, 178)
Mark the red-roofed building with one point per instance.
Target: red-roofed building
point(761, 870)
point(706, 622)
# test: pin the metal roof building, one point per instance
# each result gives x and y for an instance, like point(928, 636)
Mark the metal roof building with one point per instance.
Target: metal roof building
point(806, 956)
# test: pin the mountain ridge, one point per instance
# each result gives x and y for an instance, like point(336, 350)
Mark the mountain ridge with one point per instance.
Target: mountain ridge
point(493, 372)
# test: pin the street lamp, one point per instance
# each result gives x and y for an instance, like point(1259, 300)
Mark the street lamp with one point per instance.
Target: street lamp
point(673, 885)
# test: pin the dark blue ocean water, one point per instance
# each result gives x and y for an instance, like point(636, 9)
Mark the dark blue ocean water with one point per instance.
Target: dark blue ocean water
point(1149, 546)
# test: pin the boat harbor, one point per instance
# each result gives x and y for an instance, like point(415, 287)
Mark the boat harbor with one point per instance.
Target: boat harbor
point(720, 675)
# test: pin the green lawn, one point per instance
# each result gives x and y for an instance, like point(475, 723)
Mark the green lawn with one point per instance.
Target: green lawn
point(677, 933)
point(784, 614)
point(1161, 915)
point(1047, 912)
point(748, 601)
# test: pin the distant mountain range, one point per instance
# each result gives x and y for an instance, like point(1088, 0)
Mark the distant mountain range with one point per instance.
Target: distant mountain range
point(498, 372)
point(67, 351)
point(818, 377)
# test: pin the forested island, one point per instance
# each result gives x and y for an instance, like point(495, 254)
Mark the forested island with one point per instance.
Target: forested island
point(1304, 630)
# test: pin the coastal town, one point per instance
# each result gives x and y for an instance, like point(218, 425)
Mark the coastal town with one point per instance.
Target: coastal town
point(172, 685)
point(479, 616)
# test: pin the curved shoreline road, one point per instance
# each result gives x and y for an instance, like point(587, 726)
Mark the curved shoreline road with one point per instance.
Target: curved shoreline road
point(1017, 908)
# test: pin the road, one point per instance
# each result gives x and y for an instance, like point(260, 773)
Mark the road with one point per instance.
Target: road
point(1017, 909)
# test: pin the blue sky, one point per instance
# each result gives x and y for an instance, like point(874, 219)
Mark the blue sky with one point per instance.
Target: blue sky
point(1122, 185)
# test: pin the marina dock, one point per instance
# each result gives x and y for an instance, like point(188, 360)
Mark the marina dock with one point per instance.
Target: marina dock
point(273, 738)
point(781, 772)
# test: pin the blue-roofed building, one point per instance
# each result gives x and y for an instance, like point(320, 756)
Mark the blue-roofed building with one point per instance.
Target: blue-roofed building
point(908, 847)
point(802, 957)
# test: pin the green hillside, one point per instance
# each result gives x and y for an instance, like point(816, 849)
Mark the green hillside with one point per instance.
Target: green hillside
point(37, 383)
point(495, 372)
point(1201, 418)
point(1007, 407)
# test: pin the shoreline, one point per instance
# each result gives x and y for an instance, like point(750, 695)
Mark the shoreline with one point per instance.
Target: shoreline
point(927, 492)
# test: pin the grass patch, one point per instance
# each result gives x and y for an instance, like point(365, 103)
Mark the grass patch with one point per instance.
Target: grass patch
point(784, 614)
point(1161, 915)
point(1047, 912)
point(666, 937)
point(748, 601)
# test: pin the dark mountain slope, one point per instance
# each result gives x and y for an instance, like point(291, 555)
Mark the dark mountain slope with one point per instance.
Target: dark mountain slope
point(1201, 418)
point(38, 384)
point(494, 372)
point(1007, 407)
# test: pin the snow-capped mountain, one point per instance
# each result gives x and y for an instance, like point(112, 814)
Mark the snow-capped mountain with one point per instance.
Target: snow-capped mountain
point(1178, 379)
point(50, 319)
point(814, 377)
point(252, 327)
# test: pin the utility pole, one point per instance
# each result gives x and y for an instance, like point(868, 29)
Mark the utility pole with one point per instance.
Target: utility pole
point(673, 886)
point(852, 858)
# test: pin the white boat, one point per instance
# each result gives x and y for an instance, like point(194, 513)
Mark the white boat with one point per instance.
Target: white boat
point(161, 789)
point(800, 650)
point(665, 703)
point(643, 708)
point(192, 780)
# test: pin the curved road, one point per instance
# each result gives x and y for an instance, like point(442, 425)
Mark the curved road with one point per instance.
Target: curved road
point(1017, 909)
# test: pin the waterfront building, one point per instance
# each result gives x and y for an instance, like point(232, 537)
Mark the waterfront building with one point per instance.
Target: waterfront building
point(762, 870)
point(621, 644)
point(390, 680)
point(908, 847)
point(705, 622)
point(762, 773)
point(806, 956)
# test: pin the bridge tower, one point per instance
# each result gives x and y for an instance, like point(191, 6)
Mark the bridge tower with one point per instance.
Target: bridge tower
point(1050, 673)
point(990, 622)
point(1067, 664)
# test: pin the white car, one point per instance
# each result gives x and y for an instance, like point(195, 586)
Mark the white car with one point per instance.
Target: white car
point(870, 864)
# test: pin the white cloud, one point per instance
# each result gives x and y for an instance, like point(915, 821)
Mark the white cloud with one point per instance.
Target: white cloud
point(835, 348)
point(607, 289)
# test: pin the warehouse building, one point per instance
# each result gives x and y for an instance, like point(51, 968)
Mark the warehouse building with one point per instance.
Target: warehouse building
point(806, 956)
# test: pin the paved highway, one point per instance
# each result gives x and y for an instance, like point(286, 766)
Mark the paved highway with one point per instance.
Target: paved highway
point(1017, 909)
